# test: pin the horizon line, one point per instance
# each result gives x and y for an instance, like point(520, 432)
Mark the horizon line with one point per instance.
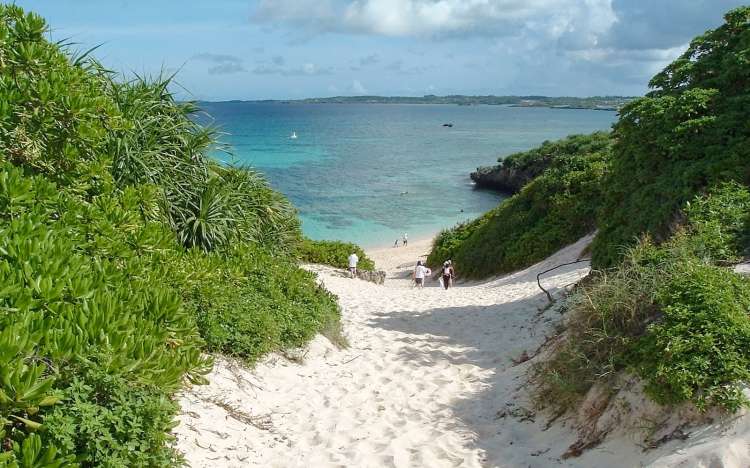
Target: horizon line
point(425, 96)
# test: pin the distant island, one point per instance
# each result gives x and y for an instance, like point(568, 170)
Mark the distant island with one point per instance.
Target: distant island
point(608, 103)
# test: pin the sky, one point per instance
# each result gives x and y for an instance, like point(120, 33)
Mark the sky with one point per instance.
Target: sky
point(290, 49)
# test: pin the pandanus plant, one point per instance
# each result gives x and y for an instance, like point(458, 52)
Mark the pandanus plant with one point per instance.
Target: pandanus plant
point(203, 220)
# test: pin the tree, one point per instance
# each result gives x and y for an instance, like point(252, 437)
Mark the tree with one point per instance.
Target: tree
point(688, 134)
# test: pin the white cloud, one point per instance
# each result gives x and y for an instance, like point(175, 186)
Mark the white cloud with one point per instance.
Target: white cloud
point(223, 64)
point(307, 69)
point(559, 44)
point(227, 69)
point(435, 18)
point(358, 88)
point(310, 69)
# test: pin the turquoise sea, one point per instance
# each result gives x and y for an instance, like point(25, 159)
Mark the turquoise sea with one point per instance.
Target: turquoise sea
point(367, 173)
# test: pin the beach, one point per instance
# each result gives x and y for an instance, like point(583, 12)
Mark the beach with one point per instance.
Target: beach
point(431, 378)
point(197, 258)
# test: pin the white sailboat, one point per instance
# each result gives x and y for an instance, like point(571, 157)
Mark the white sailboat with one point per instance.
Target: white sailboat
point(294, 136)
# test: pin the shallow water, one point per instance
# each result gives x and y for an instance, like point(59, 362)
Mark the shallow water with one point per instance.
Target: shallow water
point(367, 173)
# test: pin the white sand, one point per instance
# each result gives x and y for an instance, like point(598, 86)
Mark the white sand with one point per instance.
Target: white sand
point(429, 381)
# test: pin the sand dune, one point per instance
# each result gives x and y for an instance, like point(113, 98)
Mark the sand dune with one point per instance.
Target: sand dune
point(430, 380)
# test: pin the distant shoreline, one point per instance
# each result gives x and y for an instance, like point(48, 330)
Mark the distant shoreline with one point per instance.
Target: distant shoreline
point(604, 103)
point(420, 239)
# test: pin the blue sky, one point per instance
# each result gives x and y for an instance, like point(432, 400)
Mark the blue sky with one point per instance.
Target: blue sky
point(276, 49)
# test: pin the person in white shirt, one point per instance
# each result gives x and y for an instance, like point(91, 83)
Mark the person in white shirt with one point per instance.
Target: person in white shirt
point(406, 240)
point(353, 259)
point(420, 273)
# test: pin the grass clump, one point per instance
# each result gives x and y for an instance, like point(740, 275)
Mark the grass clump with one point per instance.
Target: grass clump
point(605, 318)
point(334, 253)
point(554, 209)
point(669, 313)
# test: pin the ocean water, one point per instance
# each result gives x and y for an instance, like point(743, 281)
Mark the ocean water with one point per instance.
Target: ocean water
point(369, 173)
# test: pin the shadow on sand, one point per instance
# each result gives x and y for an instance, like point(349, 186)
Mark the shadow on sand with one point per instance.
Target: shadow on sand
point(491, 338)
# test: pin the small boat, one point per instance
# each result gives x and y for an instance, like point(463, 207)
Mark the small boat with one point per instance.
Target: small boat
point(294, 136)
point(447, 125)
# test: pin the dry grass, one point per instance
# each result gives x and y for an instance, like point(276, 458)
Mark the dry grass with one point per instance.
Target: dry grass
point(605, 316)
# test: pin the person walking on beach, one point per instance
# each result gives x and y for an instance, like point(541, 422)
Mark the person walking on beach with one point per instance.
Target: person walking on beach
point(353, 260)
point(420, 273)
point(395, 244)
point(406, 239)
point(446, 275)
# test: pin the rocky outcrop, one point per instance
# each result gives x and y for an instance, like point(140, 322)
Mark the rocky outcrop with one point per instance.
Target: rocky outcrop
point(376, 276)
point(503, 179)
point(517, 170)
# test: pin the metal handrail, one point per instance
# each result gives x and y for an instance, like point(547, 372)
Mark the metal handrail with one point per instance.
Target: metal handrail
point(539, 283)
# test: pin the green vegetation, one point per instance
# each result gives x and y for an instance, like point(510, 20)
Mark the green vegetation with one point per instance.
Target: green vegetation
point(534, 162)
point(699, 349)
point(449, 241)
point(669, 197)
point(519, 169)
point(556, 208)
point(669, 313)
point(248, 301)
point(93, 342)
point(125, 254)
point(333, 253)
point(567, 102)
point(689, 134)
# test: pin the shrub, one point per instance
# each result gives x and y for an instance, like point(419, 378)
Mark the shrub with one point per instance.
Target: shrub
point(160, 141)
point(69, 306)
point(667, 313)
point(209, 206)
point(535, 161)
point(699, 348)
point(334, 253)
point(720, 224)
point(128, 426)
point(553, 210)
point(448, 241)
point(249, 301)
point(54, 118)
point(262, 216)
point(102, 308)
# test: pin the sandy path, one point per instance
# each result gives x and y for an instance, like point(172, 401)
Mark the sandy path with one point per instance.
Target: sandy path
point(428, 381)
